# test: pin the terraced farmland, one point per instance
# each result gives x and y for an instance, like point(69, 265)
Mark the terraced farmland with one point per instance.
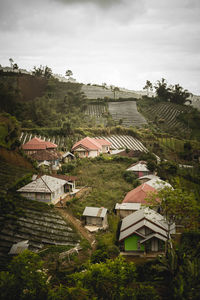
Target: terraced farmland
point(61, 141)
point(96, 110)
point(118, 141)
point(167, 113)
point(9, 174)
point(124, 141)
point(94, 92)
point(42, 227)
point(127, 113)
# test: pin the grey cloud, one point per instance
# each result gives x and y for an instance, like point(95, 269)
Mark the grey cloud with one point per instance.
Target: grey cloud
point(100, 3)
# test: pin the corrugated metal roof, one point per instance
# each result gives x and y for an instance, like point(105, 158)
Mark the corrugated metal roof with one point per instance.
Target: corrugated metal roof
point(158, 184)
point(156, 235)
point(149, 176)
point(139, 167)
point(144, 217)
point(19, 247)
point(67, 154)
point(95, 212)
point(128, 206)
point(44, 184)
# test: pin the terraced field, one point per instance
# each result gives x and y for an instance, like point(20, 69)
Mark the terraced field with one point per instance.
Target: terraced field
point(127, 113)
point(118, 141)
point(124, 141)
point(167, 113)
point(94, 92)
point(96, 110)
point(61, 141)
point(9, 174)
point(41, 226)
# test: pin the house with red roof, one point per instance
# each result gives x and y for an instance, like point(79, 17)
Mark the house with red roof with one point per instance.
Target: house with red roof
point(91, 147)
point(139, 194)
point(36, 144)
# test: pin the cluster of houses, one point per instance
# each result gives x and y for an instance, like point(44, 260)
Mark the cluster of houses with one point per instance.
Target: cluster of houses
point(142, 229)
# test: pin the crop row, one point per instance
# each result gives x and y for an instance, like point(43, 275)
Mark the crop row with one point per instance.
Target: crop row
point(167, 113)
point(40, 228)
point(126, 113)
point(96, 110)
point(125, 141)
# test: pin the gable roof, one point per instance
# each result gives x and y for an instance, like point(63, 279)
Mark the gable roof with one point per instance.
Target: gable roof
point(145, 217)
point(38, 144)
point(139, 194)
point(140, 166)
point(64, 177)
point(144, 213)
point(43, 184)
point(90, 144)
point(45, 155)
point(67, 154)
point(103, 142)
point(128, 206)
point(95, 212)
point(158, 184)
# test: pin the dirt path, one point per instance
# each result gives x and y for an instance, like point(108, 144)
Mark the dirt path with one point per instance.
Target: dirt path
point(77, 224)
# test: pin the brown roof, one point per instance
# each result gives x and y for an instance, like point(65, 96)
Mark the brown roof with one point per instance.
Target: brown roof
point(91, 144)
point(139, 194)
point(64, 177)
point(38, 144)
point(45, 155)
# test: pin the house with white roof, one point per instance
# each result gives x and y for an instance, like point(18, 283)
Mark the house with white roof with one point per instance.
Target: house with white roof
point(46, 189)
point(95, 218)
point(144, 231)
point(139, 169)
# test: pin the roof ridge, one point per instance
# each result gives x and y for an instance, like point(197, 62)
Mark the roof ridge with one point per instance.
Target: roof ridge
point(46, 183)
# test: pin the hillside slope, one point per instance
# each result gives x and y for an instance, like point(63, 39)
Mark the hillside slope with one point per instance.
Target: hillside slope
point(94, 92)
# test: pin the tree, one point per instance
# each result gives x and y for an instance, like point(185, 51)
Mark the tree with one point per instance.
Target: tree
point(42, 71)
point(162, 91)
point(47, 72)
point(25, 279)
point(15, 67)
point(38, 71)
point(107, 280)
point(114, 90)
point(177, 205)
point(11, 62)
point(68, 73)
point(148, 87)
point(179, 95)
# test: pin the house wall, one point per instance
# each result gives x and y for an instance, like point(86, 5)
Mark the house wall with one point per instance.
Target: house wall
point(96, 221)
point(81, 152)
point(105, 149)
point(93, 153)
point(124, 213)
point(132, 243)
point(43, 197)
point(105, 221)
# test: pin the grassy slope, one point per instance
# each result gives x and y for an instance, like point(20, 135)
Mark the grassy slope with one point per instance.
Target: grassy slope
point(106, 180)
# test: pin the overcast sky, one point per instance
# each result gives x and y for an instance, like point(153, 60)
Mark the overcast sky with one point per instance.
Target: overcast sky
point(120, 42)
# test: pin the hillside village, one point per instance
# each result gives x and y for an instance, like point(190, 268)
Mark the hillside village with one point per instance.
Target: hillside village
point(94, 185)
